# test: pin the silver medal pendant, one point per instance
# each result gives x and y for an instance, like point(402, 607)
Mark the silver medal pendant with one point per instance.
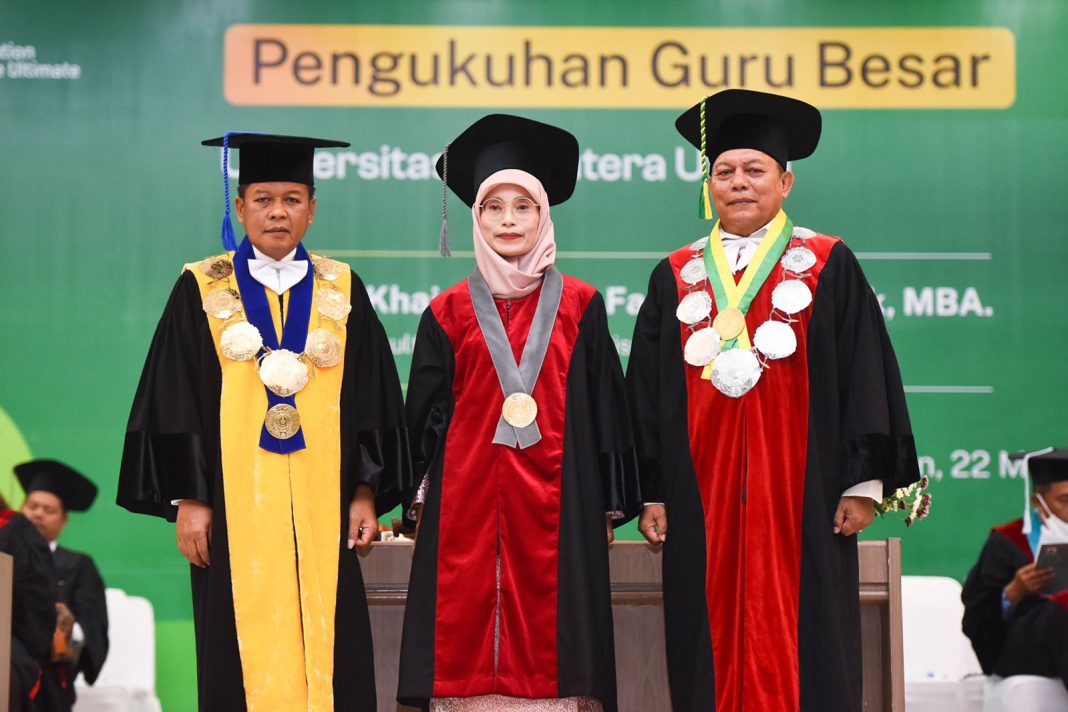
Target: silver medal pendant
point(735, 372)
point(702, 347)
point(699, 244)
point(798, 260)
point(694, 272)
point(791, 296)
point(694, 307)
point(802, 233)
point(775, 339)
point(283, 372)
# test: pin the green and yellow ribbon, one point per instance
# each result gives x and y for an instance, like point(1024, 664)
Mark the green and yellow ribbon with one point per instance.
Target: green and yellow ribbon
point(739, 295)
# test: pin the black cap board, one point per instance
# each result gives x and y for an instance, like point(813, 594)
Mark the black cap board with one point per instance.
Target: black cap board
point(500, 141)
point(1049, 468)
point(267, 158)
point(75, 489)
point(786, 129)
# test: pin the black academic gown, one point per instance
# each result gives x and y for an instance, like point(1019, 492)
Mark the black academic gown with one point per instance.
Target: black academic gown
point(33, 607)
point(172, 451)
point(509, 590)
point(82, 589)
point(1033, 640)
point(851, 426)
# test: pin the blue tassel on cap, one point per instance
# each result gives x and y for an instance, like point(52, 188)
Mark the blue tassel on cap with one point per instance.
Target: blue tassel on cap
point(228, 240)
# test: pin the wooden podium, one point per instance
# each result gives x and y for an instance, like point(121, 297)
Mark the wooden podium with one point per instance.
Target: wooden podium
point(639, 623)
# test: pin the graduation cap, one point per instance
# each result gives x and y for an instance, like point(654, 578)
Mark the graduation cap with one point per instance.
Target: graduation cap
point(1042, 467)
point(786, 129)
point(75, 490)
point(267, 158)
point(500, 141)
point(1049, 467)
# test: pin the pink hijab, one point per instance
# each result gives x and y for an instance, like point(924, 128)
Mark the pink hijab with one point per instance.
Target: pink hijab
point(510, 277)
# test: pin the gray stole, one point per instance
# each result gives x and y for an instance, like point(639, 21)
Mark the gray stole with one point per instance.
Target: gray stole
point(522, 377)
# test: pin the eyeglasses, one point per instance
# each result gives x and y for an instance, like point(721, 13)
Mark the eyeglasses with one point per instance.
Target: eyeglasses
point(522, 208)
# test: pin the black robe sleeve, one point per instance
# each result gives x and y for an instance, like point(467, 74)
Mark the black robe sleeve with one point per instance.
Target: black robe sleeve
point(429, 405)
point(983, 622)
point(172, 438)
point(644, 387)
point(33, 592)
point(877, 439)
point(374, 436)
point(82, 589)
point(612, 429)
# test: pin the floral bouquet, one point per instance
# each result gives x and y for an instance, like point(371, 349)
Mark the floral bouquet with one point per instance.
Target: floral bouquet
point(913, 499)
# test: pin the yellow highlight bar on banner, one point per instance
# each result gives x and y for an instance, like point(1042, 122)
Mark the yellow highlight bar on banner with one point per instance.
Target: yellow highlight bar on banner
point(616, 67)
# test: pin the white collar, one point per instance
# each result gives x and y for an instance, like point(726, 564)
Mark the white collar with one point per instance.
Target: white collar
point(277, 275)
point(53, 545)
point(740, 249)
point(757, 236)
point(288, 258)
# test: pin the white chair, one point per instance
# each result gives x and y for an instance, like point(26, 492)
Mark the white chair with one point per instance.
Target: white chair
point(127, 682)
point(942, 673)
point(1025, 693)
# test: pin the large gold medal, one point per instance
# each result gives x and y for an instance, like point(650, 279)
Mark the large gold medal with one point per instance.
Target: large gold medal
point(217, 268)
point(332, 304)
point(729, 323)
point(519, 410)
point(222, 303)
point(282, 421)
point(328, 269)
point(323, 348)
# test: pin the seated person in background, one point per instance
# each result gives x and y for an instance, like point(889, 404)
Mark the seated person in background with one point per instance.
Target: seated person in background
point(81, 633)
point(1015, 627)
point(33, 611)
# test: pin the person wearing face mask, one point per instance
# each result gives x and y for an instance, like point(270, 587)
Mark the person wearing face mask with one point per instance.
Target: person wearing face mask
point(1017, 626)
point(519, 423)
point(269, 425)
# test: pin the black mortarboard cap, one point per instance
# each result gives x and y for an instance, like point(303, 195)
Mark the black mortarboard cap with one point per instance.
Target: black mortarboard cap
point(266, 158)
point(786, 129)
point(500, 141)
point(75, 489)
point(1049, 467)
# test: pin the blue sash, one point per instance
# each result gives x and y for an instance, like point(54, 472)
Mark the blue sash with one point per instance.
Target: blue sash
point(294, 330)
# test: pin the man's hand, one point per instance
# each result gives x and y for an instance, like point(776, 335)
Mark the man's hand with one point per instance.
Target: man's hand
point(653, 523)
point(363, 523)
point(1028, 581)
point(611, 529)
point(194, 532)
point(64, 620)
point(854, 515)
point(62, 648)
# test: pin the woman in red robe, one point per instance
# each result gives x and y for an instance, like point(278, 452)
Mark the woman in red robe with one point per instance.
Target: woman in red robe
point(518, 419)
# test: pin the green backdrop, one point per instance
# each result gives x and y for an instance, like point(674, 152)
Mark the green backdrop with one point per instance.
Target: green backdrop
point(956, 213)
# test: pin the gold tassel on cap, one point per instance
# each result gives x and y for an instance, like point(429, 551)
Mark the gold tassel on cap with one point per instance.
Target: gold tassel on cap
point(704, 200)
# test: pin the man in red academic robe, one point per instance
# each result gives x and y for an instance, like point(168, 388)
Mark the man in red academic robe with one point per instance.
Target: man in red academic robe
point(769, 416)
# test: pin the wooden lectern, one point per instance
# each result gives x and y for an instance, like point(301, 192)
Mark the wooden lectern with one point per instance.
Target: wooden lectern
point(639, 623)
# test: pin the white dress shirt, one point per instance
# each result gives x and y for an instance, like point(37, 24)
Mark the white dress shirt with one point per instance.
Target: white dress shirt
point(277, 275)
